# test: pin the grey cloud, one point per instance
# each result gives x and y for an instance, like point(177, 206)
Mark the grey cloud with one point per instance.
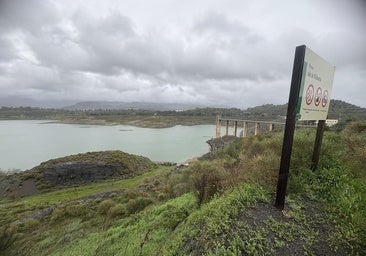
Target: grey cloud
point(64, 50)
point(34, 78)
point(219, 25)
point(113, 46)
point(30, 16)
point(8, 51)
point(58, 49)
point(221, 48)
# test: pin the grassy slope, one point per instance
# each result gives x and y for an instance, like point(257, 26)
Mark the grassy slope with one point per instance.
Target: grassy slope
point(222, 206)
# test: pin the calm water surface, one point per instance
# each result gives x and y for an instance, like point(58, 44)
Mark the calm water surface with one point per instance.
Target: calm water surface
point(25, 144)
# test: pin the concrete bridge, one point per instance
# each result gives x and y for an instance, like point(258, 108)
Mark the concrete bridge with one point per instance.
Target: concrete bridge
point(249, 126)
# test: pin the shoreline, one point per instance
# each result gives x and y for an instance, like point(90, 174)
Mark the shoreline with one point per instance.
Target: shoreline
point(190, 143)
point(138, 122)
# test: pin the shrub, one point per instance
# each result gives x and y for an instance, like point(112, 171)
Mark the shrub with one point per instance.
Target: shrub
point(207, 186)
point(256, 148)
point(179, 183)
point(136, 205)
point(30, 224)
point(173, 216)
point(207, 180)
point(117, 210)
point(355, 127)
point(354, 136)
point(57, 214)
point(2, 174)
point(105, 206)
point(7, 237)
point(73, 209)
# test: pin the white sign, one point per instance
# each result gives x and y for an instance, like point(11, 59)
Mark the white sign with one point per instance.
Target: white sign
point(316, 88)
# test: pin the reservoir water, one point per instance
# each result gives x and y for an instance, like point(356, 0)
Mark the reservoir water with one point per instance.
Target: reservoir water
point(25, 144)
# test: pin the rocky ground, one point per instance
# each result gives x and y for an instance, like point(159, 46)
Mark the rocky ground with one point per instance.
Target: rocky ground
point(73, 170)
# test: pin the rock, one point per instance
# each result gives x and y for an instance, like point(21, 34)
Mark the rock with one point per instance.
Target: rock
point(216, 144)
point(221, 142)
point(75, 172)
point(91, 166)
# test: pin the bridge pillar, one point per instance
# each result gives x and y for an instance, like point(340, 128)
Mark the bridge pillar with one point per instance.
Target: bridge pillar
point(256, 128)
point(235, 128)
point(218, 127)
point(227, 128)
point(271, 127)
point(245, 129)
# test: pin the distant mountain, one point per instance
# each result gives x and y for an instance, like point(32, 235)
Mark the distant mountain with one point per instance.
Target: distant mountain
point(345, 111)
point(113, 105)
point(25, 102)
point(337, 110)
point(268, 110)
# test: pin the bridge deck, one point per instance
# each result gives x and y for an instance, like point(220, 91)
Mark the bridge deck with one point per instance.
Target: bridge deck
point(246, 123)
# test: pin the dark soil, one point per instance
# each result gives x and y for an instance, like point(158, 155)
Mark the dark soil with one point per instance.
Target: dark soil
point(306, 233)
point(13, 186)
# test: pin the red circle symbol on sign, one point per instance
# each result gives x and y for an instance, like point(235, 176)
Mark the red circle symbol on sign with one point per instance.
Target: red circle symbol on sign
point(318, 96)
point(309, 94)
point(325, 98)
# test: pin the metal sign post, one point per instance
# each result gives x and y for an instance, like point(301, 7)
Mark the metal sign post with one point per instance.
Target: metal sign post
point(317, 145)
point(311, 86)
point(290, 126)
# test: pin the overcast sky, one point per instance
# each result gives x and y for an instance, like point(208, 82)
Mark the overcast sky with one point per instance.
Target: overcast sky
point(235, 53)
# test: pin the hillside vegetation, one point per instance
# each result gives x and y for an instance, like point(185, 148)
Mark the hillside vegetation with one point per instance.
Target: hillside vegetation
point(219, 205)
point(343, 111)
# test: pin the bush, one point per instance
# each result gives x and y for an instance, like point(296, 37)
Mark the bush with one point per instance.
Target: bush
point(173, 216)
point(105, 205)
point(354, 128)
point(207, 180)
point(7, 237)
point(207, 186)
point(30, 224)
point(117, 210)
point(354, 136)
point(73, 209)
point(179, 183)
point(136, 205)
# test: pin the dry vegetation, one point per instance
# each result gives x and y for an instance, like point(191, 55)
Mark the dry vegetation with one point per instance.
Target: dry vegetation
point(218, 206)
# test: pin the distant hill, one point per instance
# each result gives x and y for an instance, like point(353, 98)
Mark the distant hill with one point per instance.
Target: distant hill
point(166, 114)
point(24, 102)
point(345, 111)
point(114, 105)
point(338, 110)
point(268, 110)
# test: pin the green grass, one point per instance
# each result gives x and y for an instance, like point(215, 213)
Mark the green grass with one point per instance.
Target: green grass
point(140, 234)
point(163, 229)
point(221, 206)
point(17, 208)
point(210, 226)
